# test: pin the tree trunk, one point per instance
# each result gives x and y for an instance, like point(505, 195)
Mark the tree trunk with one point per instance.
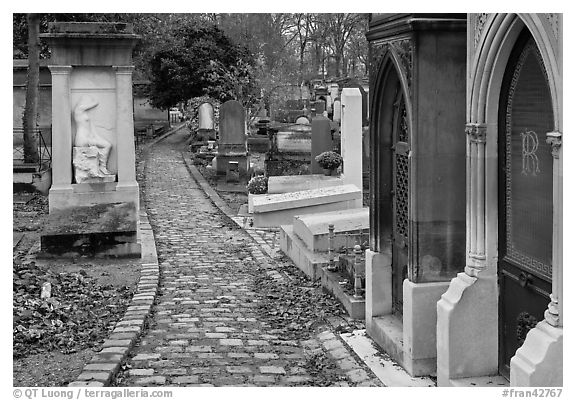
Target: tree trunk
point(338, 62)
point(30, 118)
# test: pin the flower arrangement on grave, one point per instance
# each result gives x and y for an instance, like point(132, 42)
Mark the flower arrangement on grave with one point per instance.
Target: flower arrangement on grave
point(329, 160)
point(258, 185)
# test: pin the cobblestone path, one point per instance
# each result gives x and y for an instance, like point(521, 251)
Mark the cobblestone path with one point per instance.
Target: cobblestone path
point(205, 329)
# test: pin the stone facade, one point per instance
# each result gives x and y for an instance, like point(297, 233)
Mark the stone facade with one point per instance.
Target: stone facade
point(485, 279)
point(487, 289)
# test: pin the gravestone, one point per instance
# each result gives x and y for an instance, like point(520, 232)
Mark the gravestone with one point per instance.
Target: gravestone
point(321, 141)
point(93, 163)
point(329, 100)
point(302, 121)
point(232, 143)
point(206, 122)
point(334, 90)
point(337, 115)
point(351, 137)
point(319, 107)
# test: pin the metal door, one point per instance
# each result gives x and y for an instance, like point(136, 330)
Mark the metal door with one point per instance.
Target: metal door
point(400, 186)
point(525, 197)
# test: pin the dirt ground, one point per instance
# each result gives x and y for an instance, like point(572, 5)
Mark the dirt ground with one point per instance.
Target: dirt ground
point(48, 362)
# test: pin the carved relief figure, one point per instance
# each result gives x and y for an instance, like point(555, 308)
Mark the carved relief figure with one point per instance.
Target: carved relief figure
point(86, 134)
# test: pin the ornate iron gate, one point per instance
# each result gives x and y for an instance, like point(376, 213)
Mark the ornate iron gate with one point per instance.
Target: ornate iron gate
point(400, 185)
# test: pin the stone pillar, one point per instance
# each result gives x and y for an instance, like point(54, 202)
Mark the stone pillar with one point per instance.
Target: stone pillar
point(125, 127)
point(554, 314)
point(351, 137)
point(61, 130)
point(470, 304)
point(476, 150)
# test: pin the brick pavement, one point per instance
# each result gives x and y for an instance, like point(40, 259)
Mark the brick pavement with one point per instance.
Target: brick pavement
point(204, 329)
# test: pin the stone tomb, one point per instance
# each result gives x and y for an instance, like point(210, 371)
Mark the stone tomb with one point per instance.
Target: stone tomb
point(232, 160)
point(305, 242)
point(273, 210)
point(295, 183)
point(92, 120)
point(313, 228)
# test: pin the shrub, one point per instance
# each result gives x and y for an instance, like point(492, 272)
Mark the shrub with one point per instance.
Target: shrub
point(329, 160)
point(258, 185)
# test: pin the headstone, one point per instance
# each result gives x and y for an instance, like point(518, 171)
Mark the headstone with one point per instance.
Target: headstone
point(329, 100)
point(206, 116)
point(334, 90)
point(302, 121)
point(232, 128)
point(232, 143)
point(205, 123)
point(351, 137)
point(321, 141)
point(337, 115)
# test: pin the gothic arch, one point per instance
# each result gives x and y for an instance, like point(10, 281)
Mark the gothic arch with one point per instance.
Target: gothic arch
point(389, 74)
point(494, 47)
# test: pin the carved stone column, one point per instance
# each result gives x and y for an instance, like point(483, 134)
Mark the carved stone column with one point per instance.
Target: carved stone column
point(476, 150)
point(61, 129)
point(553, 314)
point(125, 127)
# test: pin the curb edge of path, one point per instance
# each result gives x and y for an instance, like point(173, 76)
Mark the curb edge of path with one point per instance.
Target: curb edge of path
point(101, 370)
point(103, 366)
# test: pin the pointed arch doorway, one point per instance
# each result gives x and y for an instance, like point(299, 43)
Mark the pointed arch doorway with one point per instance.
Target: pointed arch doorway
point(525, 200)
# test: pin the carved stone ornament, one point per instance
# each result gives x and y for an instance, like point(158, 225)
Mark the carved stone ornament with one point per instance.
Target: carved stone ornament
point(403, 49)
point(477, 132)
point(378, 51)
point(524, 322)
point(481, 19)
point(87, 161)
point(554, 139)
point(552, 19)
point(551, 315)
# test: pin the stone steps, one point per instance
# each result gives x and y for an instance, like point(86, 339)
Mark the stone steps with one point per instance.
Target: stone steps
point(306, 244)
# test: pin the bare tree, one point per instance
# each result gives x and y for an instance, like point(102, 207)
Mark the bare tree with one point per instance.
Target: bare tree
point(30, 117)
point(338, 28)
